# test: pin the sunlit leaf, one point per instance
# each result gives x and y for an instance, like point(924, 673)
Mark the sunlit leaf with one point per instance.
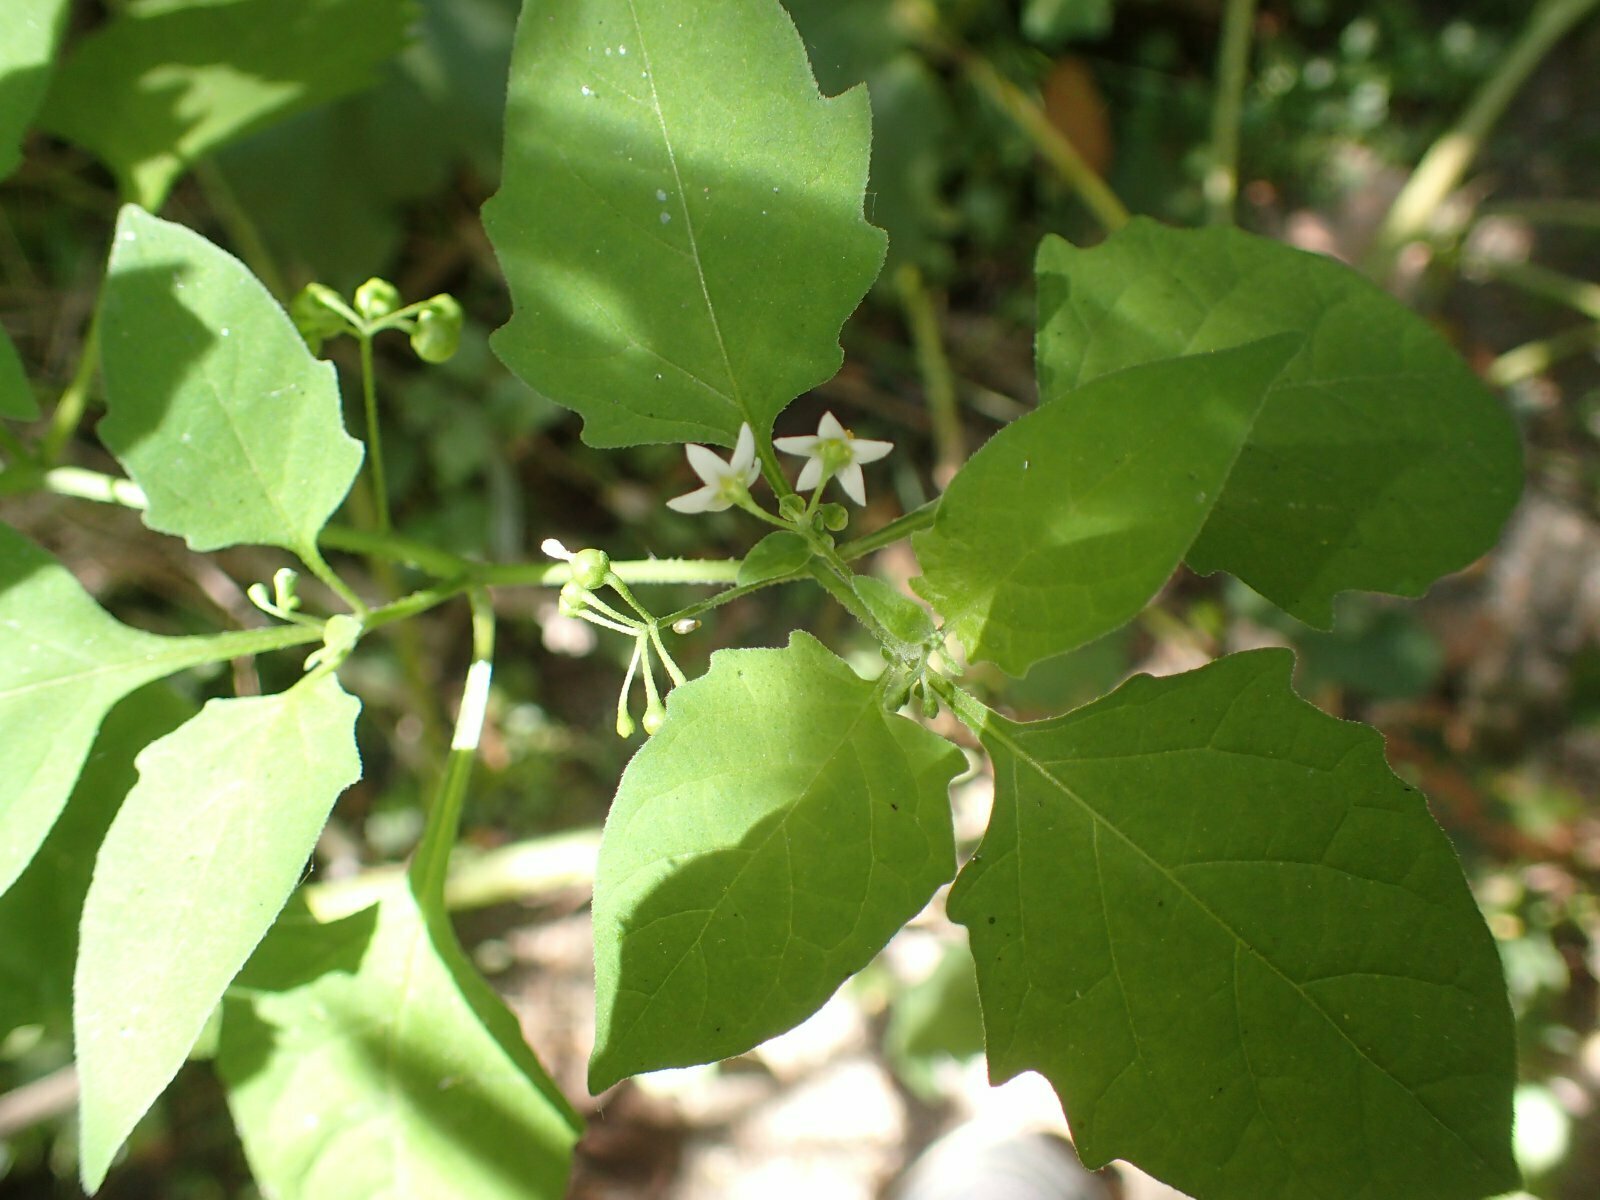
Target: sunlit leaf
point(29, 32)
point(39, 914)
point(202, 856)
point(1069, 520)
point(762, 847)
point(164, 84)
point(680, 218)
point(1239, 947)
point(1379, 461)
point(65, 663)
point(367, 1058)
point(215, 406)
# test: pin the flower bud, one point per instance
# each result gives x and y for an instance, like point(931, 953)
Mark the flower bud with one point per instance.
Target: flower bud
point(791, 508)
point(590, 568)
point(377, 298)
point(437, 334)
point(573, 599)
point(834, 516)
point(685, 625)
point(654, 715)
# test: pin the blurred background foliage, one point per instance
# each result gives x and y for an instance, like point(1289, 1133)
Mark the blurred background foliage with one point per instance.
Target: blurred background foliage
point(1488, 690)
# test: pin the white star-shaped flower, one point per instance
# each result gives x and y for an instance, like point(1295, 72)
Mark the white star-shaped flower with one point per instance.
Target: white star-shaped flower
point(835, 453)
point(724, 482)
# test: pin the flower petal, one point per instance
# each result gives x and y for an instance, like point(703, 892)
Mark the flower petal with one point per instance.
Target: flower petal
point(805, 443)
point(711, 469)
point(744, 452)
point(865, 450)
point(830, 428)
point(698, 501)
point(810, 475)
point(854, 485)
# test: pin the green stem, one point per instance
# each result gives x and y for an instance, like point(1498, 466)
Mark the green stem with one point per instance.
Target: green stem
point(312, 557)
point(431, 865)
point(1233, 63)
point(1578, 214)
point(835, 581)
point(902, 526)
point(1534, 358)
point(648, 570)
point(938, 381)
point(369, 397)
point(728, 594)
point(972, 712)
point(1055, 148)
point(1449, 157)
point(674, 672)
point(393, 547)
point(74, 398)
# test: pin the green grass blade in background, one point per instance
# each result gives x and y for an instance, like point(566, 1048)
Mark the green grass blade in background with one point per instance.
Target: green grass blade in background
point(162, 85)
point(763, 846)
point(358, 1063)
point(29, 33)
point(206, 849)
point(1070, 519)
point(680, 217)
point(16, 397)
point(215, 406)
point(1379, 462)
point(1239, 947)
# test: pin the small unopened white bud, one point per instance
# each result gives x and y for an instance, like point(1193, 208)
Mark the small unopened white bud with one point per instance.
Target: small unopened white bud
point(555, 550)
point(685, 625)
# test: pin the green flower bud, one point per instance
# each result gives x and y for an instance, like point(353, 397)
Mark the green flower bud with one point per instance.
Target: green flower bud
point(377, 298)
point(572, 600)
point(834, 516)
point(590, 568)
point(313, 316)
point(437, 333)
point(791, 508)
point(624, 724)
point(654, 715)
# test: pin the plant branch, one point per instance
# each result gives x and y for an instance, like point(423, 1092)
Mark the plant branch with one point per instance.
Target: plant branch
point(1447, 160)
point(1534, 358)
point(1233, 62)
point(369, 400)
point(938, 382)
point(902, 526)
point(69, 411)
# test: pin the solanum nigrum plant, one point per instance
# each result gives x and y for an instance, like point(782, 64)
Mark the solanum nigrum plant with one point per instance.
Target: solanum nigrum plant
point(1235, 943)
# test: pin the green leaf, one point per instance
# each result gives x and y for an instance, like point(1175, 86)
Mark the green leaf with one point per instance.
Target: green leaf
point(1239, 947)
point(39, 914)
point(29, 33)
point(1379, 461)
point(778, 554)
point(367, 1058)
point(215, 406)
point(680, 219)
point(66, 662)
point(1051, 23)
point(903, 617)
point(164, 84)
point(762, 847)
point(16, 397)
point(1070, 519)
point(203, 854)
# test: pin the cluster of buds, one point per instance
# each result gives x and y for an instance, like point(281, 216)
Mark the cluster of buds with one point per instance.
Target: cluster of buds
point(590, 570)
point(433, 325)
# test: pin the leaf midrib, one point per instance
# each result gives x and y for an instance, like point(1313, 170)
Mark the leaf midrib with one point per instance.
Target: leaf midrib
point(995, 728)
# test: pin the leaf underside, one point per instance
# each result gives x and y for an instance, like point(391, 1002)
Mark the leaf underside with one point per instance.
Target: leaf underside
point(223, 818)
point(29, 33)
point(680, 218)
point(1239, 947)
point(358, 1063)
point(1379, 462)
point(762, 847)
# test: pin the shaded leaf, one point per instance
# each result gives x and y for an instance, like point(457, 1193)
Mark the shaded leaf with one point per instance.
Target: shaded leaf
point(66, 662)
point(1239, 947)
point(162, 85)
point(39, 914)
point(680, 218)
point(762, 847)
point(16, 397)
point(1066, 523)
point(215, 406)
point(778, 554)
point(202, 856)
point(1379, 461)
point(29, 33)
point(358, 1062)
